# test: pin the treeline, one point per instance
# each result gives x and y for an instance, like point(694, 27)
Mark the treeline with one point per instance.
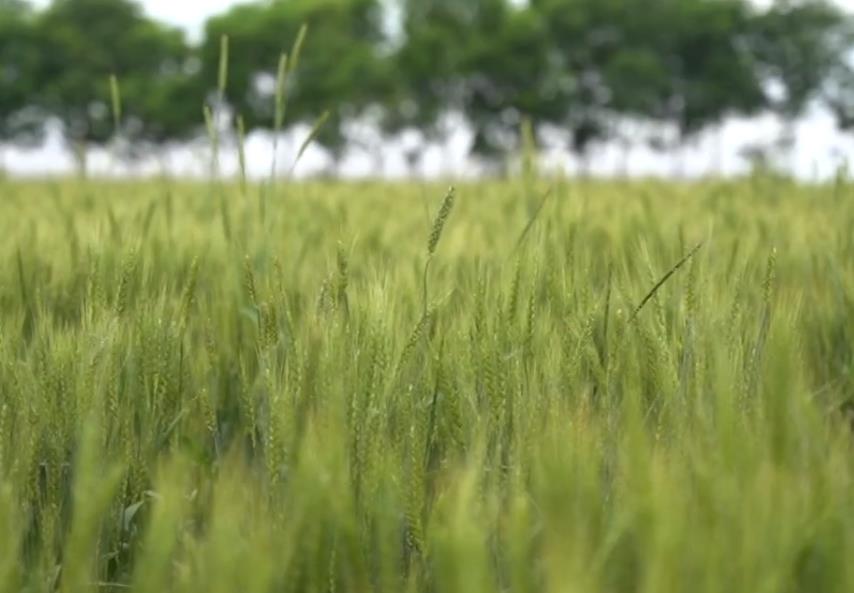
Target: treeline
point(571, 67)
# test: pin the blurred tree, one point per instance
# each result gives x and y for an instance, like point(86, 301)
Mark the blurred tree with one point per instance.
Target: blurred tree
point(571, 67)
point(714, 73)
point(83, 42)
point(708, 73)
point(576, 66)
point(341, 69)
point(484, 59)
point(839, 96)
point(801, 47)
point(681, 62)
point(19, 54)
point(431, 64)
point(584, 37)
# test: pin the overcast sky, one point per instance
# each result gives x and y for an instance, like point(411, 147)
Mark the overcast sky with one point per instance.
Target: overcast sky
point(189, 14)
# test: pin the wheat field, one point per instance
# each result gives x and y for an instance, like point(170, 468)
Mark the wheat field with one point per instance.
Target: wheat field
point(529, 385)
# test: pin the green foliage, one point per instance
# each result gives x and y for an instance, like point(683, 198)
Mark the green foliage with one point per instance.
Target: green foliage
point(84, 42)
point(58, 62)
point(572, 68)
point(576, 65)
point(707, 71)
point(18, 74)
point(597, 407)
point(340, 71)
point(802, 47)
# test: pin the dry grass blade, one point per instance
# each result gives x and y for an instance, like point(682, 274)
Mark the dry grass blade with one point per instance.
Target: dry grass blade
point(315, 130)
point(296, 50)
point(661, 283)
point(523, 235)
point(281, 96)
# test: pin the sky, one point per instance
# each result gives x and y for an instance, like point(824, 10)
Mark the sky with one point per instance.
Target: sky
point(188, 14)
point(819, 149)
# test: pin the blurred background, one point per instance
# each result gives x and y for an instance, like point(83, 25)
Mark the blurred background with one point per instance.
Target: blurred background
point(425, 88)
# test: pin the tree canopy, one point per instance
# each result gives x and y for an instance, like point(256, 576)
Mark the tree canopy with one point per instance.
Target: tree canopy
point(58, 63)
point(341, 69)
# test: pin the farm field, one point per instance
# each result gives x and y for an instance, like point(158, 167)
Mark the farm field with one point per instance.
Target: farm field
point(525, 386)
